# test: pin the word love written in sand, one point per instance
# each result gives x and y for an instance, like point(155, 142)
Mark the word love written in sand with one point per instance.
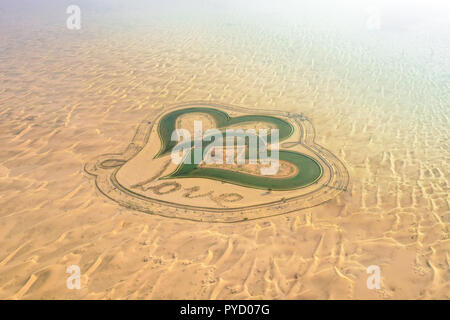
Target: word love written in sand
point(216, 163)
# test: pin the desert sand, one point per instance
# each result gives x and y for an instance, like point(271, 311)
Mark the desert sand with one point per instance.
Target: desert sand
point(379, 100)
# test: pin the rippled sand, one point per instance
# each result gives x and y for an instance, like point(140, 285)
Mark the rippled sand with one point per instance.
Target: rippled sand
point(378, 99)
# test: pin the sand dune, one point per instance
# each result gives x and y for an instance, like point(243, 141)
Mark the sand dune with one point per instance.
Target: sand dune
point(67, 97)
